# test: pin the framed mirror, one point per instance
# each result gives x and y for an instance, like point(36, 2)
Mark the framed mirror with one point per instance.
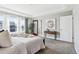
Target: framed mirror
point(35, 26)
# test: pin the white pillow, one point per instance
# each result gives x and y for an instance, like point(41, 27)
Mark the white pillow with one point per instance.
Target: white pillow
point(5, 39)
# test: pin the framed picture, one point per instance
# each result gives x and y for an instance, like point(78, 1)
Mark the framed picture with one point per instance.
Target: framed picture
point(51, 24)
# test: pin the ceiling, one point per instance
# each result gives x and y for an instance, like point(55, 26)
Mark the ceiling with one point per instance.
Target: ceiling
point(36, 9)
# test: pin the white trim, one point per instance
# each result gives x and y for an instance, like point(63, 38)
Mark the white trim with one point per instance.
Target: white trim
point(10, 11)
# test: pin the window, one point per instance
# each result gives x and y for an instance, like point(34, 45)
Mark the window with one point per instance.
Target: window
point(1, 22)
point(22, 24)
point(13, 27)
point(13, 24)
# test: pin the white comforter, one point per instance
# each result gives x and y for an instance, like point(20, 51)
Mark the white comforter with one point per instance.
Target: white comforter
point(24, 45)
point(16, 48)
point(32, 44)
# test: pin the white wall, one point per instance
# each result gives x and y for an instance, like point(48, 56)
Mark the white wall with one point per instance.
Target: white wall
point(55, 16)
point(66, 28)
point(76, 27)
point(44, 27)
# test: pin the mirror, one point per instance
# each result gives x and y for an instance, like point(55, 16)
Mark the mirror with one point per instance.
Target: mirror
point(35, 26)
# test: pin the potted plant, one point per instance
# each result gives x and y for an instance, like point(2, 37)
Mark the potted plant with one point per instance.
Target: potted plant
point(31, 28)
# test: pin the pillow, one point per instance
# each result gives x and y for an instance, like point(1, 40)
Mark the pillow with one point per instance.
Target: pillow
point(30, 36)
point(1, 31)
point(5, 39)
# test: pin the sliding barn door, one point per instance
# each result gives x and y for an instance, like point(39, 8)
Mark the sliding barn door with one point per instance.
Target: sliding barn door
point(66, 28)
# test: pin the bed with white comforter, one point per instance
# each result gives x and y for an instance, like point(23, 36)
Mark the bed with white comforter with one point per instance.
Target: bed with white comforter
point(31, 44)
point(21, 45)
point(16, 48)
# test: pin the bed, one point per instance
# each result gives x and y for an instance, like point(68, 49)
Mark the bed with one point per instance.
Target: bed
point(16, 48)
point(32, 44)
point(21, 44)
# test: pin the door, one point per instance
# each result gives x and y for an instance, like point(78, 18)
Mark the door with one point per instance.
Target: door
point(66, 28)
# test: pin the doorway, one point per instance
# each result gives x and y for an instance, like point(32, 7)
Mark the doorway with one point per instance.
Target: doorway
point(66, 28)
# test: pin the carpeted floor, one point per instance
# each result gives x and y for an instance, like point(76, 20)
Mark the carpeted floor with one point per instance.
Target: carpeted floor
point(57, 47)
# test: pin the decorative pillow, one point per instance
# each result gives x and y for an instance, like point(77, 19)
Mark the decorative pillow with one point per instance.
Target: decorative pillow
point(5, 39)
point(1, 31)
point(30, 36)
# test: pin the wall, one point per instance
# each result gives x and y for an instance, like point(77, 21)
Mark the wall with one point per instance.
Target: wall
point(66, 28)
point(76, 27)
point(55, 16)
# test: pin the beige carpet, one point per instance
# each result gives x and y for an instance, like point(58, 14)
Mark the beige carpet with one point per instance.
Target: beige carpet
point(57, 47)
